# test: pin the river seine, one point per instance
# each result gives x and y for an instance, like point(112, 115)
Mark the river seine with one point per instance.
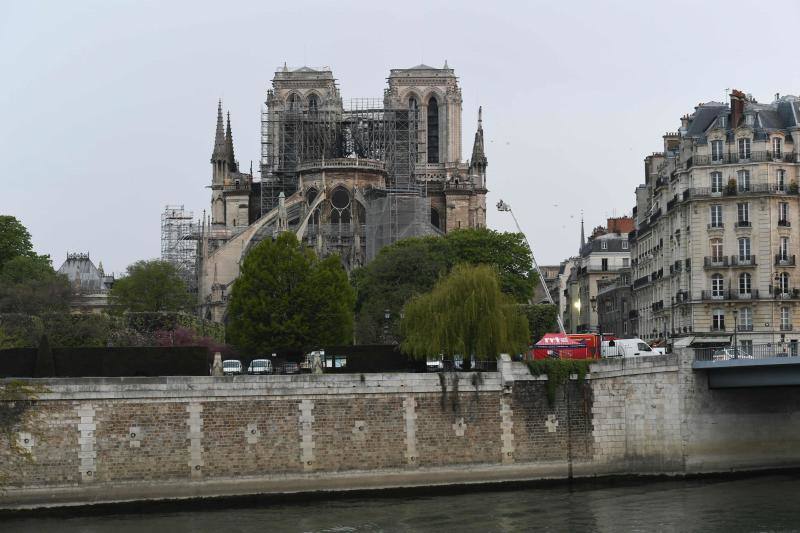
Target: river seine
point(767, 503)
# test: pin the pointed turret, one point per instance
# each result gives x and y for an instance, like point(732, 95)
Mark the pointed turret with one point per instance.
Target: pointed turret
point(219, 137)
point(229, 156)
point(478, 162)
point(583, 236)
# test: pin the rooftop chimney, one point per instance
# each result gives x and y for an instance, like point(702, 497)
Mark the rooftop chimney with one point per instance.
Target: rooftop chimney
point(737, 107)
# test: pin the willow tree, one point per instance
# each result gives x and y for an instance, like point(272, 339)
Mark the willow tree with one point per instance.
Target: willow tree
point(465, 314)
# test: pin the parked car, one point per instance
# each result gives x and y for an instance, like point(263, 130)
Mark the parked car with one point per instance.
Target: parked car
point(231, 367)
point(260, 366)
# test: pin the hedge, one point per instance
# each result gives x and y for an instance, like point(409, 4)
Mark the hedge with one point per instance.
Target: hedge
point(111, 362)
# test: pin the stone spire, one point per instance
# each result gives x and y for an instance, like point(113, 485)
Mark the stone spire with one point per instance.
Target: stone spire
point(229, 156)
point(478, 161)
point(219, 138)
point(583, 236)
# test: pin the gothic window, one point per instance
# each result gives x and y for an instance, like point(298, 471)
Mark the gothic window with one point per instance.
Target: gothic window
point(311, 195)
point(313, 103)
point(340, 203)
point(433, 130)
point(294, 103)
point(435, 218)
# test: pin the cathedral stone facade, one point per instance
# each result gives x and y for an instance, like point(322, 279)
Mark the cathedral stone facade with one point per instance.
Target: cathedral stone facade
point(347, 177)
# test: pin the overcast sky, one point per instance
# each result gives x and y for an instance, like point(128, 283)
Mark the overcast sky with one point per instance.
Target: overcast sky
point(108, 108)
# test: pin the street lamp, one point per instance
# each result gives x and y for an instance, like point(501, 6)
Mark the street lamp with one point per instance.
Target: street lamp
point(504, 207)
point(387, 314)
point(593, 303)
point(735, 329)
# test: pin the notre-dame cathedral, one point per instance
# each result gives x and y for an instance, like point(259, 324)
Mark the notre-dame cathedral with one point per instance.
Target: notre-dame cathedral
point(347, 177)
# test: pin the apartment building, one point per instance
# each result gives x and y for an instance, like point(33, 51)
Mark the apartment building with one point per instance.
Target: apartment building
point(716, 237)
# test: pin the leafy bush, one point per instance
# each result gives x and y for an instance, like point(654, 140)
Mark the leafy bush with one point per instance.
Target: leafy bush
point(558, 372)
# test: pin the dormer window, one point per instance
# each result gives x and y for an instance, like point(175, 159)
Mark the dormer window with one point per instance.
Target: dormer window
point(716, 150)
point(744, 148)
point(603, 245)
point(723, 121)
point(749, 120)
point(777, 147)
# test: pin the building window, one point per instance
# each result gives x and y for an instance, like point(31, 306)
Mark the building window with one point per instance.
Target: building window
point(624, 245)
point(746, 319)
point(716, 250)
point(604, 264)
point(743, 211)
point(435, 218)
point(786, 319)
point(783, 214)
point(716, 216)
point(294, 103)
point(743, 177)
point(716, 182)
point(783, 251)
point(777, 147)
point(745, 283)
point(718, 320)
point(781, 178)
point(744, 249)
point(744, 148)
point(783, 283)
point(313, 103)
point(625, 262)
point(717, 286)
point(603, 245)
point(433, 130)
point(716, 150)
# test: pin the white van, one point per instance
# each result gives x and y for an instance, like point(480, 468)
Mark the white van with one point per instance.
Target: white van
point(627, 348)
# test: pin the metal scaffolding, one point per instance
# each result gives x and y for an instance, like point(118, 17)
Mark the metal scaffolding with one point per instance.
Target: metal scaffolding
point(178, 244)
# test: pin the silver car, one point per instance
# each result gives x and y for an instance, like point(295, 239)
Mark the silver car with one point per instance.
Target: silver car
point(260, 366)
point(231, 367)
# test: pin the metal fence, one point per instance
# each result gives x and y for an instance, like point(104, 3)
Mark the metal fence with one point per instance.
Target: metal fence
point(745, 353)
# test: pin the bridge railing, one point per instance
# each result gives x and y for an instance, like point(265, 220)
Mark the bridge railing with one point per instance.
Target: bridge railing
point(747, 353)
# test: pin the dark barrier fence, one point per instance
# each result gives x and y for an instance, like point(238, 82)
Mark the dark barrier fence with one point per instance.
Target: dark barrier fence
point(370, 358)
point(110, 362)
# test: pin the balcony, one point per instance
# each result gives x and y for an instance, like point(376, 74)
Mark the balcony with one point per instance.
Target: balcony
point(729, 295)
point(633, 313)
point(743, 261)
point(734, 158)
point(783, 223)
point(715, 262)
point(657, 306)
point(786, 327)
point(755, 188)
point(716, 226)
point(784, 260)
point(743, 224)
point(744, 327)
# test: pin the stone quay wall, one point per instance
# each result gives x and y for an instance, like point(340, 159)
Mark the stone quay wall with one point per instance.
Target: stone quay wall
point(98, 440)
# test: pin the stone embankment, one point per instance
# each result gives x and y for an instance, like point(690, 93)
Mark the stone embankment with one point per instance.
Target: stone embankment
point(120, 439)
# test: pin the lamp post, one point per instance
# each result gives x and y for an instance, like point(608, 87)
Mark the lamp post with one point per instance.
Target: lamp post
point(593, 302)
point(735, 337)
point(504, 207)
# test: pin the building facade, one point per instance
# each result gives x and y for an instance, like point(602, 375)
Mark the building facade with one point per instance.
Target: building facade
point(614, 303)
point(715, 244)
point(89, 283)
point(602, 258)
point(348, 177)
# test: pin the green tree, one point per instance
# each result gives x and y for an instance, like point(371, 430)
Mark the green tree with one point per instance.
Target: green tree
point(413, 266)
point(287, 298)
point(541, 319)
point(15, 240)
point(150, 286)
point(465, 314)
point(507, 252)
point(29, 285)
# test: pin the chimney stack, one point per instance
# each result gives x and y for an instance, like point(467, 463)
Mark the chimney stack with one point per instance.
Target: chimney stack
point(737, 107)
